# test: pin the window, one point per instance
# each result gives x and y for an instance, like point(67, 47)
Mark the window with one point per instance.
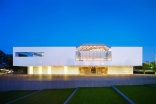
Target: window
point(29, 54)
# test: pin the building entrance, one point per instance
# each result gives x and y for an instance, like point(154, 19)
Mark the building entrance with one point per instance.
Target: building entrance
point(93, 70)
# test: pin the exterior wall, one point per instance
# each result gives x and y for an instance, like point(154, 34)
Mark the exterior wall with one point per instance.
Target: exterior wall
point(30, 70)
point(73, 70)
point(126, 56)
point(53, 56)
point(61, 60)
point(44, 70)
point(35, 70)
point(65, 56)
point(57, 70)
point(120, 70)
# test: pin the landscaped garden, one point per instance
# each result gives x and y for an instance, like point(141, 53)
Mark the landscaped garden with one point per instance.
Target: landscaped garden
point(48, 96)
point(101, 95)
point(140, 94)
point(154, 85)
point(6, 97)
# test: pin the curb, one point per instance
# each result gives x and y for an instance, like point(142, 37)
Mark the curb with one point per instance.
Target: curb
point(70, 96)
point(23, 97)
point(124, 96)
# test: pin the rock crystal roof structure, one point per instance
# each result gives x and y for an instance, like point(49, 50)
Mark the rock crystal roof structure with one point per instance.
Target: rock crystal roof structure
point(93, 47)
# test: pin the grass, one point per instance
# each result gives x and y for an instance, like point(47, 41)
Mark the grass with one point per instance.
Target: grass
point(105, 95)
point(153, 84)
point(140, 94)
point(48, 96)
point(6, 97)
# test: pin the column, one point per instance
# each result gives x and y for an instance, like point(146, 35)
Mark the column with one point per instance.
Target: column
point(49, 69)
point(30, 69)
point(65, 69)
point(40, 70)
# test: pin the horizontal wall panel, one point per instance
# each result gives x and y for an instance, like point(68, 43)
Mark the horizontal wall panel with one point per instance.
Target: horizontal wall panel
point(66, 56)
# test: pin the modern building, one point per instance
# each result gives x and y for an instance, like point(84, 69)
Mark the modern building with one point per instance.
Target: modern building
point(84, 59)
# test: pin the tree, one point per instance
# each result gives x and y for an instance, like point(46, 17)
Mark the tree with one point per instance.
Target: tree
point(153, 64)
point(154, 68)
point(137, 67)
point(144, 66)
point(6, 60)
point(9, 61)
point(2, 59)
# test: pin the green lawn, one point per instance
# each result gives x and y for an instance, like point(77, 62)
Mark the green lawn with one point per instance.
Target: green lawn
point(103, 95)
point(153, 84)
point(139, 94)
point(12, 95)
point(48, 96)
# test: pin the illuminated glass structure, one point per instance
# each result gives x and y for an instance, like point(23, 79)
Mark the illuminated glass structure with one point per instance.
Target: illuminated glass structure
point(93, 52)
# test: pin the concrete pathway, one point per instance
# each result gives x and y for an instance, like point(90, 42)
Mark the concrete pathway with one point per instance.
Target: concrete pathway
point(123, 95)
point(70, 96)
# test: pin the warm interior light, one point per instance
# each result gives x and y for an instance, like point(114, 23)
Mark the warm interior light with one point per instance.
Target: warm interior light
point(126, 71)
point(65, 69)
point(40, 69)
point(49, 70)
point(30, 70)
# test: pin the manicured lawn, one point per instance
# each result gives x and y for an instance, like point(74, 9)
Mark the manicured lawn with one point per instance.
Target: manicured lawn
point(153, 84)
point(12, 95)
point(48, 96)
point(102, 95)
point(139, 94)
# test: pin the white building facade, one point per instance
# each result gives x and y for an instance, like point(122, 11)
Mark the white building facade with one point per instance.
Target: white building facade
point(85, 59)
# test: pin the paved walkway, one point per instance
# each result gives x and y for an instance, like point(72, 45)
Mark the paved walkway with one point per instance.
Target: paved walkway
point(39, 82)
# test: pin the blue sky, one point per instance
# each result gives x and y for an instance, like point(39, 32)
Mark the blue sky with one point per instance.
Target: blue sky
point(73, 22)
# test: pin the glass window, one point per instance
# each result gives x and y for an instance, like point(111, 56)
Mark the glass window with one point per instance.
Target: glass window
point(29, 54)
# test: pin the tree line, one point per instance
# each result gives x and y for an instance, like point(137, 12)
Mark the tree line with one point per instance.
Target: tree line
point(149, 66)
point(6, 60)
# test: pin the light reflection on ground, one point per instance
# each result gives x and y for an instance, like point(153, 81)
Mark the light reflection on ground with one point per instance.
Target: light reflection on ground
point(45, 77)
point(37, 82)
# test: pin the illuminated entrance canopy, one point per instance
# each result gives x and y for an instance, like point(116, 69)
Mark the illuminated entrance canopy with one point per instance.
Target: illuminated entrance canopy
point(93, 52)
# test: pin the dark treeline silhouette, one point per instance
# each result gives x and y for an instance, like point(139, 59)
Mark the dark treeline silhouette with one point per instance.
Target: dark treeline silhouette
point(6, 60)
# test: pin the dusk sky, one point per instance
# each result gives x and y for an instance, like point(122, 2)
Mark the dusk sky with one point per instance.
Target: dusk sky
point(74, 22)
